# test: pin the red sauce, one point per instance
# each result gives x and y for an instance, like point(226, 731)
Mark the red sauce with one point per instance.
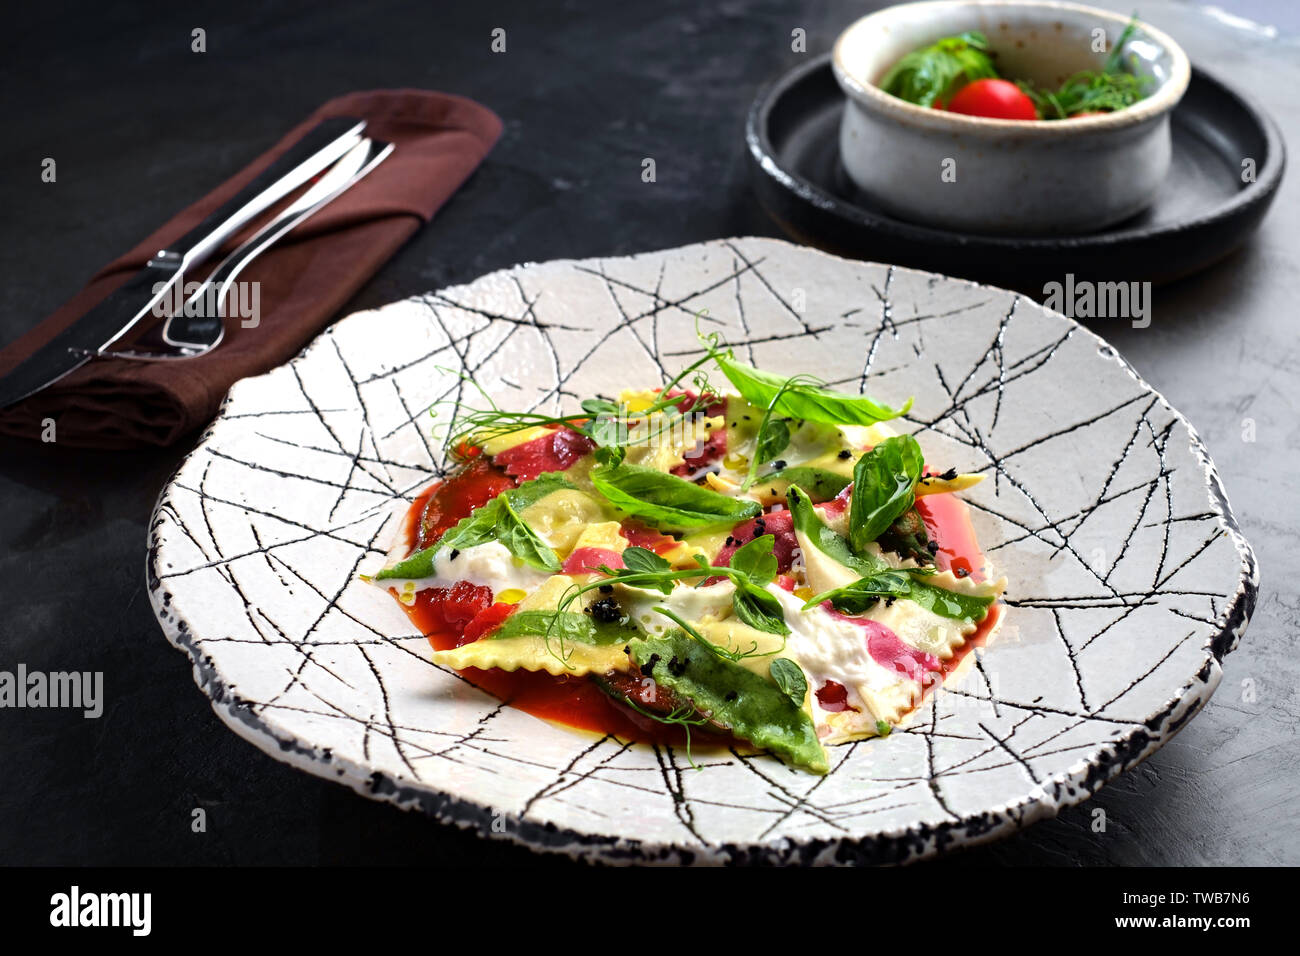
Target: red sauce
point(576, 701)
point(947, 522)
point(834, 697)
point(444, 503)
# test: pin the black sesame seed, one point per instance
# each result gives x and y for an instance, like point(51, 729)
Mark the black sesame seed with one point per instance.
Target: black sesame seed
point(932, 547)
point(731, 695)
point(606, 589)
point(948, 475)
point(649, 665)
point(779, 464)
point(455, 553)
point(846, 454)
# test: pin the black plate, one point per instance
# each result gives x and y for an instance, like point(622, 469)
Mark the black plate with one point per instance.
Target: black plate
point(1203, 212)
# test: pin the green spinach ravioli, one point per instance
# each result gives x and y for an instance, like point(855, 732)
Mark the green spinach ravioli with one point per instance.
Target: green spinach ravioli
point(755, 556)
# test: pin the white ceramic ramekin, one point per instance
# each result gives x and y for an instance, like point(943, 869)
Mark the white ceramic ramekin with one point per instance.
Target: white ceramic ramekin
point(1009, 177)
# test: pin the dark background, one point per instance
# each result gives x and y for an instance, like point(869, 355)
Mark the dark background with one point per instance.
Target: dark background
point(140, 126)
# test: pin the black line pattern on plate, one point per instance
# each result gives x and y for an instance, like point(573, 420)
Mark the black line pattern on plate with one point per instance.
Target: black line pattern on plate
point(1128, 577)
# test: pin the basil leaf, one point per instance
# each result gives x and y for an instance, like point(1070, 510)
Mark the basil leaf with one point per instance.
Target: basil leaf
point(884, 486)
point(668, 502)
point(563, 626)
point(478, 527)
point(967, 607)
point(820, 484)
point(745, 703)
point(415, 567)
point(759, 609)
point(531, 492)
point(773, 438)
point(486, 523)
point(925, 75)
point(790, 678)
point(522, 541)
point(809, 524)
point(858, 596)
point(945, 603)
point(756, 560)
point(643, 560)
point(806, 402)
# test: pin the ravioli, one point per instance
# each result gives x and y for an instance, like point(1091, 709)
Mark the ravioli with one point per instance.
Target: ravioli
point(756, 561)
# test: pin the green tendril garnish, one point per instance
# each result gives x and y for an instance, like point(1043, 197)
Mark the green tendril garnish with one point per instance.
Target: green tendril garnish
point(678, 716)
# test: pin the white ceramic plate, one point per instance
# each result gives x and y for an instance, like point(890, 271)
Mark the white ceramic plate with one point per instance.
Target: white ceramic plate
point(1129, 580)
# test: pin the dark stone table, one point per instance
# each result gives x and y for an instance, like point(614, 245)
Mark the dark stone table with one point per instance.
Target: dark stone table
point(140, 125)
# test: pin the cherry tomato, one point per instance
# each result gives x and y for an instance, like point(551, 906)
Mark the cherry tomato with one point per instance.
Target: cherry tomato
point(995, 99)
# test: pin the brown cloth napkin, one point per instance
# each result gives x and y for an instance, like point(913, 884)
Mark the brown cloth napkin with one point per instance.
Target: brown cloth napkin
point(305, 279)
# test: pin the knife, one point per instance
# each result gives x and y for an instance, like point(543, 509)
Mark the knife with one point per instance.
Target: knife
point(103, 325)
point(199, 326)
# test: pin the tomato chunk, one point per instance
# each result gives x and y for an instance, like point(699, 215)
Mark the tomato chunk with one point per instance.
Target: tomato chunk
point(779, 524)
point(553, 452)
point(589, 560)
point(639, 536)
point(486, 621)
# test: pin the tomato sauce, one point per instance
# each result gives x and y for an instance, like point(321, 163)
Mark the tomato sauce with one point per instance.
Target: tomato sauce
point(573, 701)
point(577, 701)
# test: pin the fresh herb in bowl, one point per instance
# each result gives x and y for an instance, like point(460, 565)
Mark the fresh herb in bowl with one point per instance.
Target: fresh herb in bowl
point(924, 75)
point(1089, 93)
point(958, 74)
